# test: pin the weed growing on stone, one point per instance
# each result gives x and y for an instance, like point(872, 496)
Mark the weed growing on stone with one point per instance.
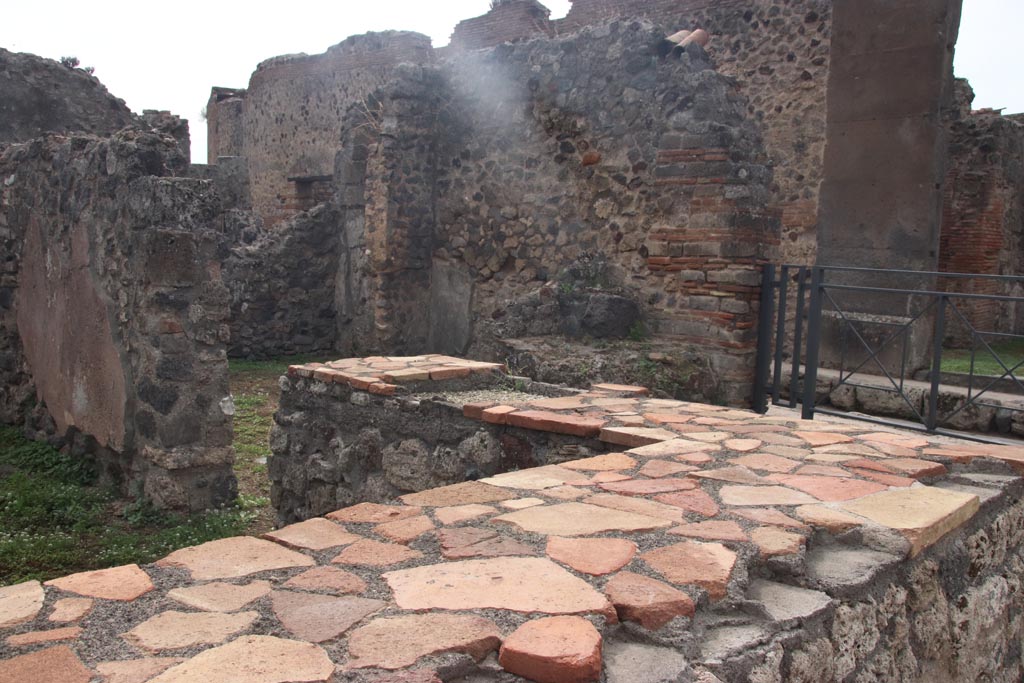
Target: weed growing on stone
point(55, 520)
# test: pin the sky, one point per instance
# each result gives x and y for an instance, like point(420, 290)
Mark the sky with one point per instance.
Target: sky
point(170, 61)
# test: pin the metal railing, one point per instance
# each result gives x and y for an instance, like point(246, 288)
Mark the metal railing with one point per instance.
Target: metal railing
point(932, 309)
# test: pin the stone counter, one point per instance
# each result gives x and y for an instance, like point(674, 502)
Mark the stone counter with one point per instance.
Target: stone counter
point(707, 545)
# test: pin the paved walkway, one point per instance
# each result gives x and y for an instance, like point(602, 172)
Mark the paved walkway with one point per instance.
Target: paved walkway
point(523, 572)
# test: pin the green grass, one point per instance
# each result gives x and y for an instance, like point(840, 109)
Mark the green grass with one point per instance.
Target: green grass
point(959, 360)
point(54, 520)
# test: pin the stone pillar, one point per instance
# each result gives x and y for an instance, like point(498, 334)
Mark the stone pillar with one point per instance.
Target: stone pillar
point(890, 83)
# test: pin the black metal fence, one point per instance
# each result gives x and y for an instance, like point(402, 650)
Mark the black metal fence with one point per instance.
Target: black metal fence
point(811, 312)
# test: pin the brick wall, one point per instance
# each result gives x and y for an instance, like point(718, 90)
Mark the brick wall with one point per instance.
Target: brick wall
point(983, 218)
point(509, 20)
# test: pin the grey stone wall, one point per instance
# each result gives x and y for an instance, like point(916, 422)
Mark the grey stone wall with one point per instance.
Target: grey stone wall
point(335, 446)
point(605, 145)
point(954, 614)
point(282, 283)
point(43, 96)
point(114, 314)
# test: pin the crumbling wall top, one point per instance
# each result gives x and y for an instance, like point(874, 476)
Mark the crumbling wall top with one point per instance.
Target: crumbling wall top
point(43, 96)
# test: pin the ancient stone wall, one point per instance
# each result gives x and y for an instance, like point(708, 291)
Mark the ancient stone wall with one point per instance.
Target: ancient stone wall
point(224, 127)
point(41, 96)
point(778, 51)
point(292, 110)
point(113, 314)
point(983, 218)
point(335, 446)
point(281, 285)
point(602, 147)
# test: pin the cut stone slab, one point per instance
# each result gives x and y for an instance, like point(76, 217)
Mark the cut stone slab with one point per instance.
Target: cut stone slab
point(52, 665)
point(712, 530)
point(769, 516)
point(846, 572)
point(902, 440)
point(232, 558)
point(219, 596)
point(648, 487)
point(554, 650)
point(175, 630)
point(602, 463)
point(923, 514)
point(466, 542)
point(375, 513)
point(648, 602)
point(605, 477)
point(565, 492)
point(68, 610)
point(829, 489)
point(692, 501)
point(330, 580)
point(709, 437)
point(370, 553)
point(734, 475)
point(728, 641)
point(399, 642)
point(786, 603)
point(254, 659)
point(626, 662)
point(766, 462)
point(522, 503)
point(405, 530)
point(763, 495)
point(579, 519)
point(676, 448)
point(464, 493)
point(916, 468)
point(135, 670)
point(20, 603)
point(117, 583)
point(319, 618)
point(742, 445)
point(51, 636)
point(641, 506)
point(313, 534)
point(594, 556)
point(558, 423)
point(708, 565)
point(772, 541)
point(537, 479)
point(823, 438)
point(656, 469)
point(520, 584)
point(833, 521)
point(460, 513)
point(635, 437)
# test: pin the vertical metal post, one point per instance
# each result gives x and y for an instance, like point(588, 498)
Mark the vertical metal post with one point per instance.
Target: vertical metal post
point(813, 343)
point(764, 338)
point(780, 334)
point(798, 337)
point(933, 397)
